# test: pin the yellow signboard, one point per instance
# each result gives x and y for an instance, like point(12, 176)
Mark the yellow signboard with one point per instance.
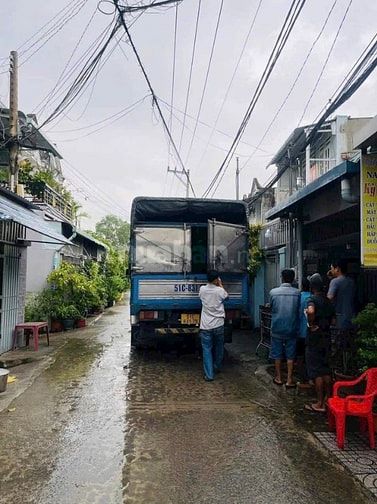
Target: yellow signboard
point(368, 211)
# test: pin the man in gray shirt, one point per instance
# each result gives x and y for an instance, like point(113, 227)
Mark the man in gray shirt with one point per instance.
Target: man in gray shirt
point(342, 294)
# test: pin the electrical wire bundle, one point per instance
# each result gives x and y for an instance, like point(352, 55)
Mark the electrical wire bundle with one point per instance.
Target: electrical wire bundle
point(357, 75)
point(280, 43)
point(154, 96)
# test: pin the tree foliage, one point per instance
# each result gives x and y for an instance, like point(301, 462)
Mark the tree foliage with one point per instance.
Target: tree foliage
point(114, 231)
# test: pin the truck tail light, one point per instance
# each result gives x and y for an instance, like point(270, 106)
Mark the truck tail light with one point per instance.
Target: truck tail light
point(148, 315)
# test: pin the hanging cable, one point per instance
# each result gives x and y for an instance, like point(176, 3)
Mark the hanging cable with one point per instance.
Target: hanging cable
point(286, 29)
point(292, 86)
point(154, 96)
point(357, 75)
point(206, 79)
point(173, 79)
point(325, 63)
point(190, 74)
point(246, 41)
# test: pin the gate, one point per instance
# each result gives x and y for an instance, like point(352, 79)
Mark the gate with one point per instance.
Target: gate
point(9, 293)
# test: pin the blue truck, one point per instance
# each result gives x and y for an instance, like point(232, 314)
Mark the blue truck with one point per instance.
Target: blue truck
point(173, 244)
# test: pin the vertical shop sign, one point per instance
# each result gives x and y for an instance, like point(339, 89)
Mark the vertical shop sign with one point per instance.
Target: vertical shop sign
point(368, 211)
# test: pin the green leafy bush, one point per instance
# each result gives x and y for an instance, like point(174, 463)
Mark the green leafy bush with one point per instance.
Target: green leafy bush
point(366, 341)
point(255, 251)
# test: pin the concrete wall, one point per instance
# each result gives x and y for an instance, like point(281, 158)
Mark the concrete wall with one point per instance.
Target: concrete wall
point(40, 262)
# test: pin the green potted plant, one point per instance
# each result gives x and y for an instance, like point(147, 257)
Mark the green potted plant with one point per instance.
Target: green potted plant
point(366, 341)
point(81, 322)
point(68, 314)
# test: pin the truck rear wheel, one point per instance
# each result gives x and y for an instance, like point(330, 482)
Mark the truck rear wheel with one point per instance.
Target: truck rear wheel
point(135, 338)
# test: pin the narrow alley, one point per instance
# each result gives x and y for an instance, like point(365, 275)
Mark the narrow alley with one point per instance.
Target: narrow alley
point(103, 426)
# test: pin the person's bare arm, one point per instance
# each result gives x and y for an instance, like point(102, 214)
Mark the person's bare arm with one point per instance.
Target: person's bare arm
point(220, 284)
point(332, 291)
point(310, 312)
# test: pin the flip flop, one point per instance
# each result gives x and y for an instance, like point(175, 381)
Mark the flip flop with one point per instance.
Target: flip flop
point(309, 407)
point(277, 382)
point(291, 386)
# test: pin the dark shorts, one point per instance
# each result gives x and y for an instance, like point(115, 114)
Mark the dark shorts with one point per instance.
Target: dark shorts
point(317, 362)
point(280, 347)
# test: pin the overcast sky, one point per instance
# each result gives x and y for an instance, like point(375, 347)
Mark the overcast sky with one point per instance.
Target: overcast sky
point(129, 157)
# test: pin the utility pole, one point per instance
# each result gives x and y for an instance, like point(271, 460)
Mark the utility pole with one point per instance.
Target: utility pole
point(238, 178)
point(13, 120)
point(186, 173)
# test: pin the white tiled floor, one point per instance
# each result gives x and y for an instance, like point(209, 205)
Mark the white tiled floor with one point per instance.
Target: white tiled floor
point(357, 457)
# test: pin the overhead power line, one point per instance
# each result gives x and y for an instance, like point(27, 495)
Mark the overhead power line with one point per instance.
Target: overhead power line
point(357, 75)
point(206, 79)
point(136, 8)
point(167, 105)
point(246, 41)
point(272, 122)
point(154, 96)
point(94, 190)
point(286, 29)
point(325, 62)
point(190, 73)
point(173, 78)
point(115, 118)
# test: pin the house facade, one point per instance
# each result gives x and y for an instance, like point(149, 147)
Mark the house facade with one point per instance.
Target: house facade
point(17, 217)
point(315, 215)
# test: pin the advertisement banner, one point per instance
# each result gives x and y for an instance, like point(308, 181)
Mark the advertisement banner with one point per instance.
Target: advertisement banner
point(368, 210)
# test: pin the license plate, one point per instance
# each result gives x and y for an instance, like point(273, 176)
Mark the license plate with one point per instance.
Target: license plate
point(190, 318)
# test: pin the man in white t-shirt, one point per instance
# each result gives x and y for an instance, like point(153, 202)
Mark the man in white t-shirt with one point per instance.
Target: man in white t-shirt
point(212, 318)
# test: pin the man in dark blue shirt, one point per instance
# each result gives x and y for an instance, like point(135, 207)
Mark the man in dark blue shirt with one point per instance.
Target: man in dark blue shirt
point(285, 315)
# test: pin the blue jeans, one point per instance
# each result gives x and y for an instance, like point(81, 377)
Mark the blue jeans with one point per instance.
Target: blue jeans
point(213, 350)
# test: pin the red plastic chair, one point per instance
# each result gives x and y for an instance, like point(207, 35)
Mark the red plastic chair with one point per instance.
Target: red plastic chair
point(353, 405)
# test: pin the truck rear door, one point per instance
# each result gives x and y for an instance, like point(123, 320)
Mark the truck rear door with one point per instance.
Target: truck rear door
point(227, 247)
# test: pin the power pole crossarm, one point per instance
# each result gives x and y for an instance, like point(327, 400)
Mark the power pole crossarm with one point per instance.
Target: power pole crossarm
point(13, 120)
point(186, 173)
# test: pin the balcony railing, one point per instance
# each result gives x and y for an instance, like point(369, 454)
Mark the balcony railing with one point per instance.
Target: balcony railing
point(320, 166)
point(277, 234)
point(43, 193)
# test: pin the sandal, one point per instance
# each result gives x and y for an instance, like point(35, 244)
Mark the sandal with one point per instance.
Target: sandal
point(277, 382)
point(310, 407)
point(290, 386)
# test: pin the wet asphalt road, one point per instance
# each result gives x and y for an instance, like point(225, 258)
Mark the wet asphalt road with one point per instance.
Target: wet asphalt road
point(104, 426)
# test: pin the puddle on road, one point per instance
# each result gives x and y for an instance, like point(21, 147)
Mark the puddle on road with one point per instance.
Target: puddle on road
point(88, 469)
point(73, 361)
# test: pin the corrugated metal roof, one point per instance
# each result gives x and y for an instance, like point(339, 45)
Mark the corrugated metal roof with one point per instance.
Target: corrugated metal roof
point(11, 210)
point(91, 238)
point(31, 137)
point(281, 210)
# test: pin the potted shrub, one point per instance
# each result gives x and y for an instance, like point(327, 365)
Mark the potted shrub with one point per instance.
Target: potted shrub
point(68, 314)
point(81, 322)
point(366, 341)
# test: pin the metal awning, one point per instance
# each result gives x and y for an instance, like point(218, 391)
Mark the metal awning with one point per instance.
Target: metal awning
point(347, 167)
point(11, 211)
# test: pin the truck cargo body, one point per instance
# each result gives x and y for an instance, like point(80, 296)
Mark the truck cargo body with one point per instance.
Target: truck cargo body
point(174, 242)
